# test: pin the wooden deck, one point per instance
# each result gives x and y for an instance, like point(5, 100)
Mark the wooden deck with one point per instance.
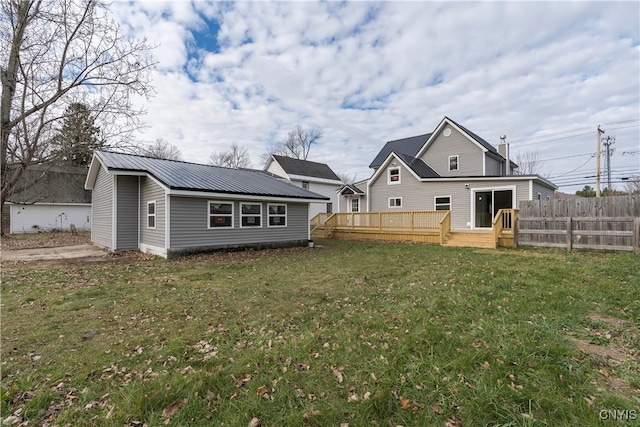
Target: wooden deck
point(413, 226)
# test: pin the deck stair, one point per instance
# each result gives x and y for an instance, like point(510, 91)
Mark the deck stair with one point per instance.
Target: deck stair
point(470, 238)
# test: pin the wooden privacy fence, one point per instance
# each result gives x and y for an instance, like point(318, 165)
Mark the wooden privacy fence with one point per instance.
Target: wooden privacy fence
point(611, 223)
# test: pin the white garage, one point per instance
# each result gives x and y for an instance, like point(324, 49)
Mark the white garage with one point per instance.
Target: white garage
point(38, 217)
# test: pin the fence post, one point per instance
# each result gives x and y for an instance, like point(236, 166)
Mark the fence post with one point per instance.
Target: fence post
point(515, 223)
point(569, 234)
point(379, 220)
point(636, 234)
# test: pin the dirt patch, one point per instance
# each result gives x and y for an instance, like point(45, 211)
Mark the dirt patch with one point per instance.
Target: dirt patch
point(609, 347)
point(14, 242)
point(615, 355)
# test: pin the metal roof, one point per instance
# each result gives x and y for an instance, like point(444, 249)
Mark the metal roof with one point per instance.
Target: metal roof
point(409, 146)
point(306, 168)
point(418, 166)
point(179, 175)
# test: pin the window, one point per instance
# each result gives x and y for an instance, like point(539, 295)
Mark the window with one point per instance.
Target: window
point(355, 205)
point(277, 215)
point(329, 208)
point(395, 202)
point(305, 185)
point(453, 163)
point(393, 176)
point(443, 203)
point(151, 214)
point(250, 214)
point(220, 215)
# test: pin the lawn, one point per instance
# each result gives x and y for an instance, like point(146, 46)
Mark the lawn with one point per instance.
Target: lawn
point(346, 333)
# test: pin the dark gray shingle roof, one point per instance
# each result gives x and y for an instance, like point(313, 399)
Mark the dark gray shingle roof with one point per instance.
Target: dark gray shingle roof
point(350, 189)
point(305, 168)
point(196, 177)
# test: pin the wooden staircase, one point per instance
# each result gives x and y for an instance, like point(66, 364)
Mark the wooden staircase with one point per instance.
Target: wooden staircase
point(469, 238)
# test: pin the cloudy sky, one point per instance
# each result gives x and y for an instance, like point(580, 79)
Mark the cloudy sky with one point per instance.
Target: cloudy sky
point(545, 74)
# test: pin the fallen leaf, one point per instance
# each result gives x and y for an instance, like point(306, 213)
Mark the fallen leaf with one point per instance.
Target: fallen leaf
point(172, 409)
point(437, 409)
point(255, 422)
point(242, 380)
point(338, 375)
point(367, 395)
point(604, 373)
point(405, 404)
point(262, 390)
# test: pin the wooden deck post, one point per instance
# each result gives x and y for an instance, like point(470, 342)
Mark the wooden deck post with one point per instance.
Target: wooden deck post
point(636, 234)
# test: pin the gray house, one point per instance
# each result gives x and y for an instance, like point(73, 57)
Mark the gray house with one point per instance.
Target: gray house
point(449, 169)
point(168, 207)
point(313, 176)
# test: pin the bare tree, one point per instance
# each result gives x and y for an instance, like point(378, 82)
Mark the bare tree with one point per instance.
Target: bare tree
point(237, 157)
point(298, 143)
point(161, 149)
point(57, 53)
point(347, 178)
point(632, 186)
point(529, 163)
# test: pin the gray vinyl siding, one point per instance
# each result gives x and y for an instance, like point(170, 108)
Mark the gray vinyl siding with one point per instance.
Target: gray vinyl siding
point(418, 195)
point(102, 210)
point(469, 155)
point(127, 212)
point(189, 225)
point(151, 191)
point(410, 189)
point(544, 191)
point(493, 166)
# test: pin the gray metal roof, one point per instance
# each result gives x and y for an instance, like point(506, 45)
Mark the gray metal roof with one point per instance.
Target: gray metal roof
point(418, 166)
point(409, 146)
point(179, 175)
point(305, 168)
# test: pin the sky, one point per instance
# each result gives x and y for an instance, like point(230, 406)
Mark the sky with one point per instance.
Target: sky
point(545, 74)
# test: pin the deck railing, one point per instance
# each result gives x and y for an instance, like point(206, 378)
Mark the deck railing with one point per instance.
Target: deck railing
point(405, 220)
point(503, 223)
point(318, 221)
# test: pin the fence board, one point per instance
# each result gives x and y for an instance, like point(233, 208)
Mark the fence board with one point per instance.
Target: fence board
point(611, 223)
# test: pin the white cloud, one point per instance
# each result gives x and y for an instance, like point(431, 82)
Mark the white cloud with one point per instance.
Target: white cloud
point(370, 72)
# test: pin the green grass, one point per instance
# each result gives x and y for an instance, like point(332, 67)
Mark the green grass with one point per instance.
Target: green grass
point(350, 332)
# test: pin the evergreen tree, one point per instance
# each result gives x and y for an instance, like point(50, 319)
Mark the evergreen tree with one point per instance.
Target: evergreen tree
point(78, 137)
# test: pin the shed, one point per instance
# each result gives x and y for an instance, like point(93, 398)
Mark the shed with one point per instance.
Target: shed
point(169, 207)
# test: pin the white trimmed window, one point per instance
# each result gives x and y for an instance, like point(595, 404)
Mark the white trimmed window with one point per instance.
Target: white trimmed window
point(395, 202)
point(355, 205)
point(151, 214)
point(393, 175)
point(454, 163)
point(442, 203)
point(305, 185)
point(250, 214)
point(220, 214)
point(277, 215)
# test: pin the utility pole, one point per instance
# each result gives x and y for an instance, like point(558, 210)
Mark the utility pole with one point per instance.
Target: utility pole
point(600, 132)
point(607, 143)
